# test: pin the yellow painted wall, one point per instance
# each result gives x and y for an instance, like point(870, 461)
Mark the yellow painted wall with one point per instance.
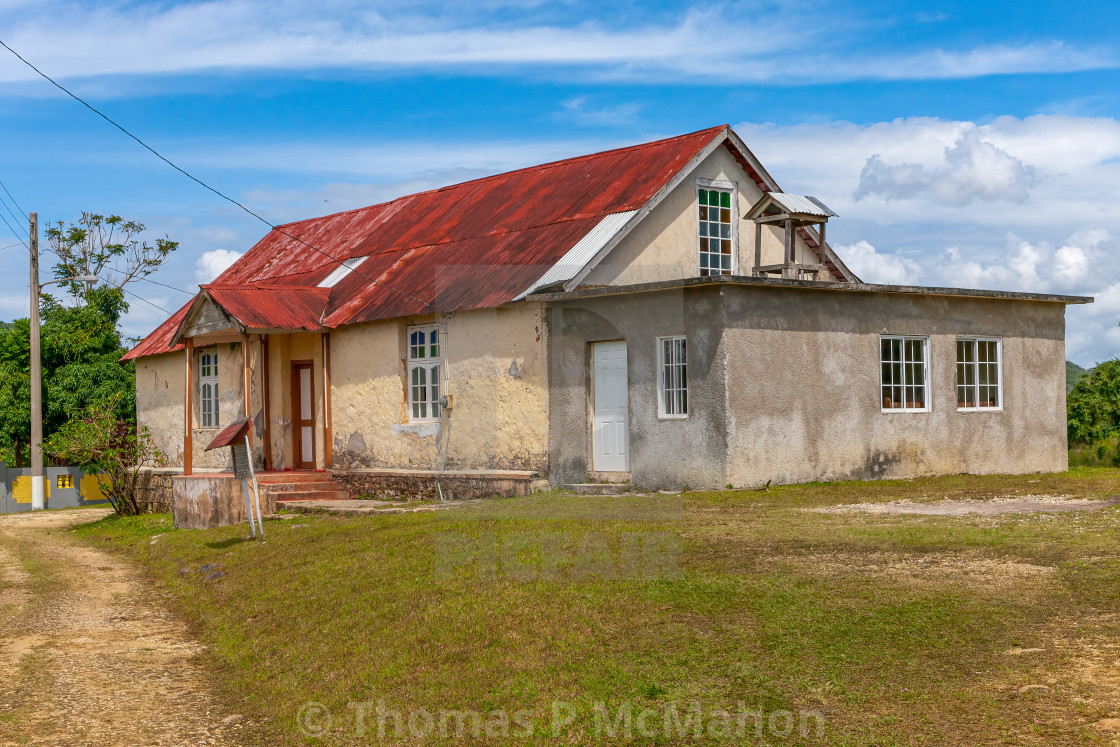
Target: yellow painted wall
point(496, 373)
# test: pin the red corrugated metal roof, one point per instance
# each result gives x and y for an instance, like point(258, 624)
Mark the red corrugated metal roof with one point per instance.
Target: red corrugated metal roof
point(232, 433)
point(159, 340)
point(478, 244)
point(271, 307)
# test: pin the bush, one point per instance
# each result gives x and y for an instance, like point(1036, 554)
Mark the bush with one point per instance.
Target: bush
point(1093, 407)
point(1103, 453)
point(101, 441)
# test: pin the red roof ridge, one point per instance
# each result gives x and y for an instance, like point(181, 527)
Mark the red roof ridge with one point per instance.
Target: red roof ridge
point(262, 286)
point(504, 174)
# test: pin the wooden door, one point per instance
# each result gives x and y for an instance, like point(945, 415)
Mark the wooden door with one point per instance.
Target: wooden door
point(303, 415)
point(611, 419)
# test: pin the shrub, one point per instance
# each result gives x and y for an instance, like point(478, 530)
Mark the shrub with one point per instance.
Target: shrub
point(1093, 407)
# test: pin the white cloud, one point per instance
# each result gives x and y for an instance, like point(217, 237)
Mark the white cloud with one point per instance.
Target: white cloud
point(1063, 171)
point(213, 263)
point(973, 170)
point(167, 38)
point(873, 266)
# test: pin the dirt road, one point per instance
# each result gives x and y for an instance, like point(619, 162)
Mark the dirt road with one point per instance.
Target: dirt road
point(87, 655)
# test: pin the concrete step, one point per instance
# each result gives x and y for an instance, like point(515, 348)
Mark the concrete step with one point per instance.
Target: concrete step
point(313, 495)
point(270, 477)
point(288, 487)
point(600, 488)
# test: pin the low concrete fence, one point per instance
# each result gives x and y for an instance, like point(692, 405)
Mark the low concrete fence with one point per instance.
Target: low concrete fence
point(63, 487)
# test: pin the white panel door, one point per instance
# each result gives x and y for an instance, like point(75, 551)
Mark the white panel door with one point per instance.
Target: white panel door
point(611, 427)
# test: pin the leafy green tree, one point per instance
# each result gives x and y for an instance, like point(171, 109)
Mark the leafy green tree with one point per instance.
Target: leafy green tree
point(81, 350)
point(1093, 407)
point(107, 247)
point(101, 442)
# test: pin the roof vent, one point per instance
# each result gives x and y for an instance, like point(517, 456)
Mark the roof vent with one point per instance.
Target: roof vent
point(792, 212)
point(344, 269)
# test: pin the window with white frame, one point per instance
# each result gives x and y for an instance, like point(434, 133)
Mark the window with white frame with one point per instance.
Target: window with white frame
point(423, 372)
point(208, 389)
point(717, 228)
point(672, 377)
point(978, 374)
point(904, 373)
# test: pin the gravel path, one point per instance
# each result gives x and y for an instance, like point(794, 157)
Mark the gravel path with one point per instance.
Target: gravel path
point(88, 655)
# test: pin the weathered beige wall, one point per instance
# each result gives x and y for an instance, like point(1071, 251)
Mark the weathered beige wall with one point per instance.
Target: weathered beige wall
point(803, 387)
point(664, 246)
point(496, 374)
point(159, 402)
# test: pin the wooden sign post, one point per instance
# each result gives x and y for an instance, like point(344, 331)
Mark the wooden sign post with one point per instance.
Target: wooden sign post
point(236, 437)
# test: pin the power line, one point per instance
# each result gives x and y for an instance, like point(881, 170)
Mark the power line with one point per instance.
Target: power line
point(10, 246)
point(9, 225)
point(122, 288)
point(10, 211)
point(198, 181)
point(25, 215)
point(165, 285)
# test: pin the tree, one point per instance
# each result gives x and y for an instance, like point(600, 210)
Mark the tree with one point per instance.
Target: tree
point(101, 442)
point(81, 350)
point(1093, 407)
point(97, 245)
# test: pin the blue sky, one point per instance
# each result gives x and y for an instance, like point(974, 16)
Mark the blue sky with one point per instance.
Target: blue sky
point(974, 144)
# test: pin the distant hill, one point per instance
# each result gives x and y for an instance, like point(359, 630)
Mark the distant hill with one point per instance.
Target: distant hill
point(1074, 372)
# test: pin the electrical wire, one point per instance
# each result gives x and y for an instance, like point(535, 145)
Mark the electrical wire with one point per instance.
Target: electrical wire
point(11, 213)
point(198, 181)
point(5, 188)
point(14, 234)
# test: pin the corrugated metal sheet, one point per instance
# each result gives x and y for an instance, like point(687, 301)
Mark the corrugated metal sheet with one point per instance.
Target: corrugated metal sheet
point(276, 307)
point(160, 339)
point(579, 255)
point(472, 245)
point(802, 204)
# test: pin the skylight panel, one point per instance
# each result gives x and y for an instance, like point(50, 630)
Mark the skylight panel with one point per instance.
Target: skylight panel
point(340, 272)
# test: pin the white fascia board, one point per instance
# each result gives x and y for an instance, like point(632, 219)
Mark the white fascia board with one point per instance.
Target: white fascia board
point(578, 256)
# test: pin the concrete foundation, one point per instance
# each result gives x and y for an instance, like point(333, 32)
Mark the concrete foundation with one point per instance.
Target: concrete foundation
point(418, 485)
point(215, 500)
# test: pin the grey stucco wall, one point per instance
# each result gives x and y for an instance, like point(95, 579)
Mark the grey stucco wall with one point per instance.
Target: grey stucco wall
point(784, 386)
point(804, 387)
point(663, 453)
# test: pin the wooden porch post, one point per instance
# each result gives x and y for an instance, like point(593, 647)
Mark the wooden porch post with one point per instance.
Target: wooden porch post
point(786, 271)
point(266, 436)
point(757, 247)
point(188, 410)
point(328, 438)
point(245, 375)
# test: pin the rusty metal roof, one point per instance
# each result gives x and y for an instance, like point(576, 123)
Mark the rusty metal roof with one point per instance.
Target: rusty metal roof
point(231, 434)
point(259, 307)
point(473, 245)
point(159, 340)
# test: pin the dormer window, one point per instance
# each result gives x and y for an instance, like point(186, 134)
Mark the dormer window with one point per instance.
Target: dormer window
point(715, 202)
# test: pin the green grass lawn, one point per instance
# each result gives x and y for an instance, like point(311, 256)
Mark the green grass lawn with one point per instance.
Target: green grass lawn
point(556, 613)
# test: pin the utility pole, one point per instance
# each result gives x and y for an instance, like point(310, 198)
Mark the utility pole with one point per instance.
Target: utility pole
point(37, 502)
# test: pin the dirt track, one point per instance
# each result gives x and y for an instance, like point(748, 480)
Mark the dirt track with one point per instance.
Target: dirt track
point(87, 656)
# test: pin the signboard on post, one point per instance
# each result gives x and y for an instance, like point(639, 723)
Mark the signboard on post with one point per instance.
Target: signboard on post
point(236, 437)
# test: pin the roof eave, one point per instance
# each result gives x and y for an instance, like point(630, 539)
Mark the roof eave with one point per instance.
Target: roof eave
point(848, 287)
